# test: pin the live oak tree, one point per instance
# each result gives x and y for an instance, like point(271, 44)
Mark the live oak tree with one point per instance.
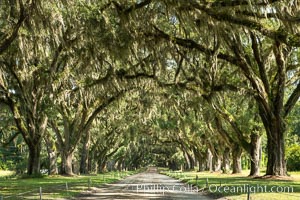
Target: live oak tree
point(67, 61)
point(170, 130)
point(35, 64)
point(244, 123)
point(260, 39)
point(25, 66)
point(76, 115)
point(32, 61)
point(105, 134)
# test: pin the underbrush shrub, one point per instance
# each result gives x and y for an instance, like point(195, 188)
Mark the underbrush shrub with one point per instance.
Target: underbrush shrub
point(293, 157)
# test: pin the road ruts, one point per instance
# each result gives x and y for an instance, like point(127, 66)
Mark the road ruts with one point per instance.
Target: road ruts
point(147, 185)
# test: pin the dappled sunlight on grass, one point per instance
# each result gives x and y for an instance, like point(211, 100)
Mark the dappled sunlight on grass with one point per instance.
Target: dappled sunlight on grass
point(267, 196)
point(207, 180)
point(56, 186)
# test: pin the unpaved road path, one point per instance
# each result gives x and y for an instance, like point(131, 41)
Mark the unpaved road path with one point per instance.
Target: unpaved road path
point(147, 185)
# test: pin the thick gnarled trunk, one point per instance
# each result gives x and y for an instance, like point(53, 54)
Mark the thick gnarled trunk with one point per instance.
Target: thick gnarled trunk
point(202, 162)
point(34, 158)
point(52, 163)
point(276, 151)
point(201, 158)
point(85, 154)
point(66, 163)
point(273, 116)
point(255, 156)
point(32, 130)
point(34, 145)
point(217, 163)
point(226, 161)
point(236, 159)
point(52, 154)
point(209, 163)
point(190, 161)
point(275, 129)
point(101, 165)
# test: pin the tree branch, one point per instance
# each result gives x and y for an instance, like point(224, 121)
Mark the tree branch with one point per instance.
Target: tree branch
point(18, 120)
point(232, 3)
point(229, 140)
point(292, 40)
point(57, 132)
point(241, 139)
point(10, 38)
point(11, 138)
point(235, 60)
point(123, 9)
point(261, 66)
point(281, 74)
point(191, 44)
point(100, 108)
point(137, 6)
point(292, 100)
point(269, 15)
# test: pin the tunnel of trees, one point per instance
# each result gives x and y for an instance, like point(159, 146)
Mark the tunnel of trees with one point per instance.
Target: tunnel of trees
point(88, 86)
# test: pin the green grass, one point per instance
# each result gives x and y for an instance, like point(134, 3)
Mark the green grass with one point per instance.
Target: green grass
point(54, 187)
point(235, 185)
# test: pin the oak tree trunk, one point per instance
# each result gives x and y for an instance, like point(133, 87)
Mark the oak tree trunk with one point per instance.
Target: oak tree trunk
point(52, 163)
point(273, 115)
point(52, 155)
point(34, 158)
point(66, 164)
point(187, 164)
point(85, 154)
point(200, 157)
point(101, 165)
point(217, 163)
point(191, 161)
point(209, 161)
point(276, 164)
point(236, 159)
point(275, 129)
point(226, 161)
point(255, 155)
point(90, 161)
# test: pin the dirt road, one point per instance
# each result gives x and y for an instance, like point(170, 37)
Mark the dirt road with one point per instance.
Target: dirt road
point(147, 185)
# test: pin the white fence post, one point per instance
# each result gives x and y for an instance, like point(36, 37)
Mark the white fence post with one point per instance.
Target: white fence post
point(41, 193)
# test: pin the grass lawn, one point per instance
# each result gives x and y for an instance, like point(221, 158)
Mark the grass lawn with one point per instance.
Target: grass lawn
point(235, 187)
point(53, 187)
